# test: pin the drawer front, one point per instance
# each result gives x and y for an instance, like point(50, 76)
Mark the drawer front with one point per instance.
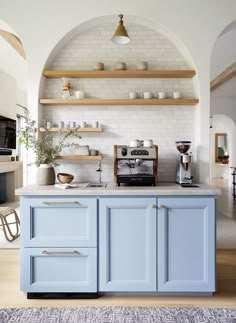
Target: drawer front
point(59, 270)
point(59, 222)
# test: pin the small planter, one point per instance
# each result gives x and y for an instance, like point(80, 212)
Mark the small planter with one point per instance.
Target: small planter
point(46, 175)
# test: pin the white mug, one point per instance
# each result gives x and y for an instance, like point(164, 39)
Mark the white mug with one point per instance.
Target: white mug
point(147, 143)
point(83, 124)
point(79, 94)
point(161, 95)
point(147, 95)
point(176, 95)
point(133, 95)
point(95, 124)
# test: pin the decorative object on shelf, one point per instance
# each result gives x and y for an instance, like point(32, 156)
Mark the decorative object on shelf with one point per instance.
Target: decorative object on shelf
point(83, 124)
point(83, 150)
point(93, 152)
point(95, 124)
point(142, 66)
point(65, 178)
point(66, 91)
point(45, 151)
point(99, 66)
point(45, 175)
point(161, 95)
point(176, 95)
point(146, 95)
point(79, 94)
point(121, 36)
point(120, 66)
point(211, 119)
point(133, 95)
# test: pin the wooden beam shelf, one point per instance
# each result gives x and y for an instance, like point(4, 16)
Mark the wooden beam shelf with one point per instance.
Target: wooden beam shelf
point(79, 157)
point(184, 101)
point(86, 129)
point(120, 74)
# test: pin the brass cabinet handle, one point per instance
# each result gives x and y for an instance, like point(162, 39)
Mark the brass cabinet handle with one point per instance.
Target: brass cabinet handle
point(152, 206)
point(60, 203)
point(162, 206)
point(45, 252)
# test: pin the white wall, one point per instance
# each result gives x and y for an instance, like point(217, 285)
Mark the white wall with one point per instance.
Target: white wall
point(196, 23)
point(7, 95)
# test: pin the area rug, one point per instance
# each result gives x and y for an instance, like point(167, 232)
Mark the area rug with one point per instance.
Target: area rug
point(117, 315)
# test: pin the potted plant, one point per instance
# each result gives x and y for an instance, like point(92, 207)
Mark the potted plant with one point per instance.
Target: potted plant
point(44, 148)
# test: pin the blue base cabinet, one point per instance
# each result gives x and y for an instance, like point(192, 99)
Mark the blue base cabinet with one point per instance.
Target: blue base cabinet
point(186, 244)
point(127, 244)
point(58, 244)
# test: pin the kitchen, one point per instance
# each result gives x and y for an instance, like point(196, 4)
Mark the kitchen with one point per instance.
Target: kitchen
point(123, 123)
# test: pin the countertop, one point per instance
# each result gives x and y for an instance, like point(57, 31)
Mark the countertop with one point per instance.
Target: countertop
point(112, 189)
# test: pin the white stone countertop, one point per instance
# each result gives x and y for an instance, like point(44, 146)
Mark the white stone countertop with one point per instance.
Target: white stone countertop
point(112, 189)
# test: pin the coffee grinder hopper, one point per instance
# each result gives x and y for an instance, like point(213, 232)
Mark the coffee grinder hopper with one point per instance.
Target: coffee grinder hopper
point(183, 147)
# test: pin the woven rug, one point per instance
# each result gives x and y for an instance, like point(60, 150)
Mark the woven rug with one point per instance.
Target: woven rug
point(117, 315)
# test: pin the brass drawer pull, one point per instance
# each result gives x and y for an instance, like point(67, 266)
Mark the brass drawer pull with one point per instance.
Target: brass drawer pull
point(152, 206)
point(45, 252)
point(162, 206)
point(60, 203)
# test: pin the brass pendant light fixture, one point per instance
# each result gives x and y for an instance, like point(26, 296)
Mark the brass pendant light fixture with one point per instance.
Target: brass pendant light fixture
point(121, 37)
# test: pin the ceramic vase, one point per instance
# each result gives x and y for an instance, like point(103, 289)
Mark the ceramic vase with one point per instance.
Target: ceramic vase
point(46, 175)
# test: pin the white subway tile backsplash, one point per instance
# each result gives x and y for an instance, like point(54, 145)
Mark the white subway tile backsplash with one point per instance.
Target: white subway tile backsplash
point(163, 124)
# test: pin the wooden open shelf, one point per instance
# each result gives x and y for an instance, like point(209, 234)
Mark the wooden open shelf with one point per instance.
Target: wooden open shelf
point(184, 101)
point(120, 74)
point(86, 129)
point(79, 157)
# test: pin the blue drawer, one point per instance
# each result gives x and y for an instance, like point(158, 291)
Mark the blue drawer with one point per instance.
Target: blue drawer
point(59, 222)
point(59, 270)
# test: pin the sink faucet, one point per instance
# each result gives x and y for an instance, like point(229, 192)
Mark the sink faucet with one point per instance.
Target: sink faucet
point(99, 172)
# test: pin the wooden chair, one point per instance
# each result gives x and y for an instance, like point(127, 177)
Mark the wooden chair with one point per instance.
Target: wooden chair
point(5, 223)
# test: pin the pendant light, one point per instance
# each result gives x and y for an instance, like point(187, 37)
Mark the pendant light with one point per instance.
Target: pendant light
point(120, 37)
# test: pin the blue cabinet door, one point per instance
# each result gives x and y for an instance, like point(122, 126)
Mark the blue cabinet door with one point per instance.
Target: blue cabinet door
point(59, 270)
point(127, 244)
point(186, 244)
point(58, 221)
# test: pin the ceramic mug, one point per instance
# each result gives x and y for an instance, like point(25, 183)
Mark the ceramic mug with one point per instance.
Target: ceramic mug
point(133, 95)
point(147, 143)
point(161, 95)
point(134, 143)
point(176, 95)
point(142, 66)
point(99, 66)
point(79, 94)
point(146, 95)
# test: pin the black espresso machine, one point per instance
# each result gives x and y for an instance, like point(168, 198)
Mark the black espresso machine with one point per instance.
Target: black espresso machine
point(135, 165)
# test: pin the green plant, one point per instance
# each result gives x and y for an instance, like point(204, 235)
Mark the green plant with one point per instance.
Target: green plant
point(43, 146)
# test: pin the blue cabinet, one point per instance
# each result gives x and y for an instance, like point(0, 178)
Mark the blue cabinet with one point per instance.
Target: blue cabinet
point(186, 244)
point(58, 244)
point(127, 244)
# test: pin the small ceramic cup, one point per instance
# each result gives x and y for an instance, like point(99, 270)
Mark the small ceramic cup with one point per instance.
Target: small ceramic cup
point(120, 66)
point(176, 95)
point(161, 95)
point(142, 66)
point(95, 124)
point(83, 124)
point(79, 94)
point(133, 95)
point(99, 66)
point(146, 95)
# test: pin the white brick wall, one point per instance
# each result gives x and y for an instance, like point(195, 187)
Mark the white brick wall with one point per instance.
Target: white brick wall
point(163, 124)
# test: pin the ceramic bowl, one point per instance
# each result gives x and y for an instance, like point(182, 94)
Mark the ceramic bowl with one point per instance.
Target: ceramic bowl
point(65, 178)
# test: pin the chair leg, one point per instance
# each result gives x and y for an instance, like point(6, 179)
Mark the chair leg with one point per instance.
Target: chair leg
point(6, 225)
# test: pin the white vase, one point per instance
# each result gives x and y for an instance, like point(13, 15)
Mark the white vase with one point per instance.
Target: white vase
point(46, 175)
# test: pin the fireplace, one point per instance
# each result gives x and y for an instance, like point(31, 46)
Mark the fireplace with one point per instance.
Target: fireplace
point(11, 177)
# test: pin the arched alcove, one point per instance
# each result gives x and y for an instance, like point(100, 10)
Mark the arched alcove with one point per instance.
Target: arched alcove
point(90, 43)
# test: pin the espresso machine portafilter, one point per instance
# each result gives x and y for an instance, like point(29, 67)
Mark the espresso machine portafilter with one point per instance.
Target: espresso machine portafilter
point(184, 161)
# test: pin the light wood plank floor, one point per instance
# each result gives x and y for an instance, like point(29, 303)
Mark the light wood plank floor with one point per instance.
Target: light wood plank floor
point(10, 296)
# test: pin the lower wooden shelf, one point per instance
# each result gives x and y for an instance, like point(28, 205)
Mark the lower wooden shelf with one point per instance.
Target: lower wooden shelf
point(79, 157)
point(183, 101)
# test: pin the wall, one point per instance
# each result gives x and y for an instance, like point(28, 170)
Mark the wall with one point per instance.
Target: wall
point(196, 24)
point(7, 95)
point(163, 124)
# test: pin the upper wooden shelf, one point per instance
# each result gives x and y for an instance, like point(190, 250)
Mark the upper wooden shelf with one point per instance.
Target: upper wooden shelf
point(185, 101)
point(86, 129)
point(120, 74)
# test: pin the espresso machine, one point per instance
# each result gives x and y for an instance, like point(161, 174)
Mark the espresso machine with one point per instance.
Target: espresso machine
point(184, 161)
point(135, 165)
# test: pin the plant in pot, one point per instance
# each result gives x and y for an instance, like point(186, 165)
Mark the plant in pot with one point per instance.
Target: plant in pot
point(44, 148)
point(225, 159)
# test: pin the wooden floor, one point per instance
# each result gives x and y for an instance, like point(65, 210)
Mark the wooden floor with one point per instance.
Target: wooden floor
point(10, 296)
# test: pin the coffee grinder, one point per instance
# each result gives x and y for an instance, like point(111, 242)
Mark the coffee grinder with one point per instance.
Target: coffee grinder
point(184, 161)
